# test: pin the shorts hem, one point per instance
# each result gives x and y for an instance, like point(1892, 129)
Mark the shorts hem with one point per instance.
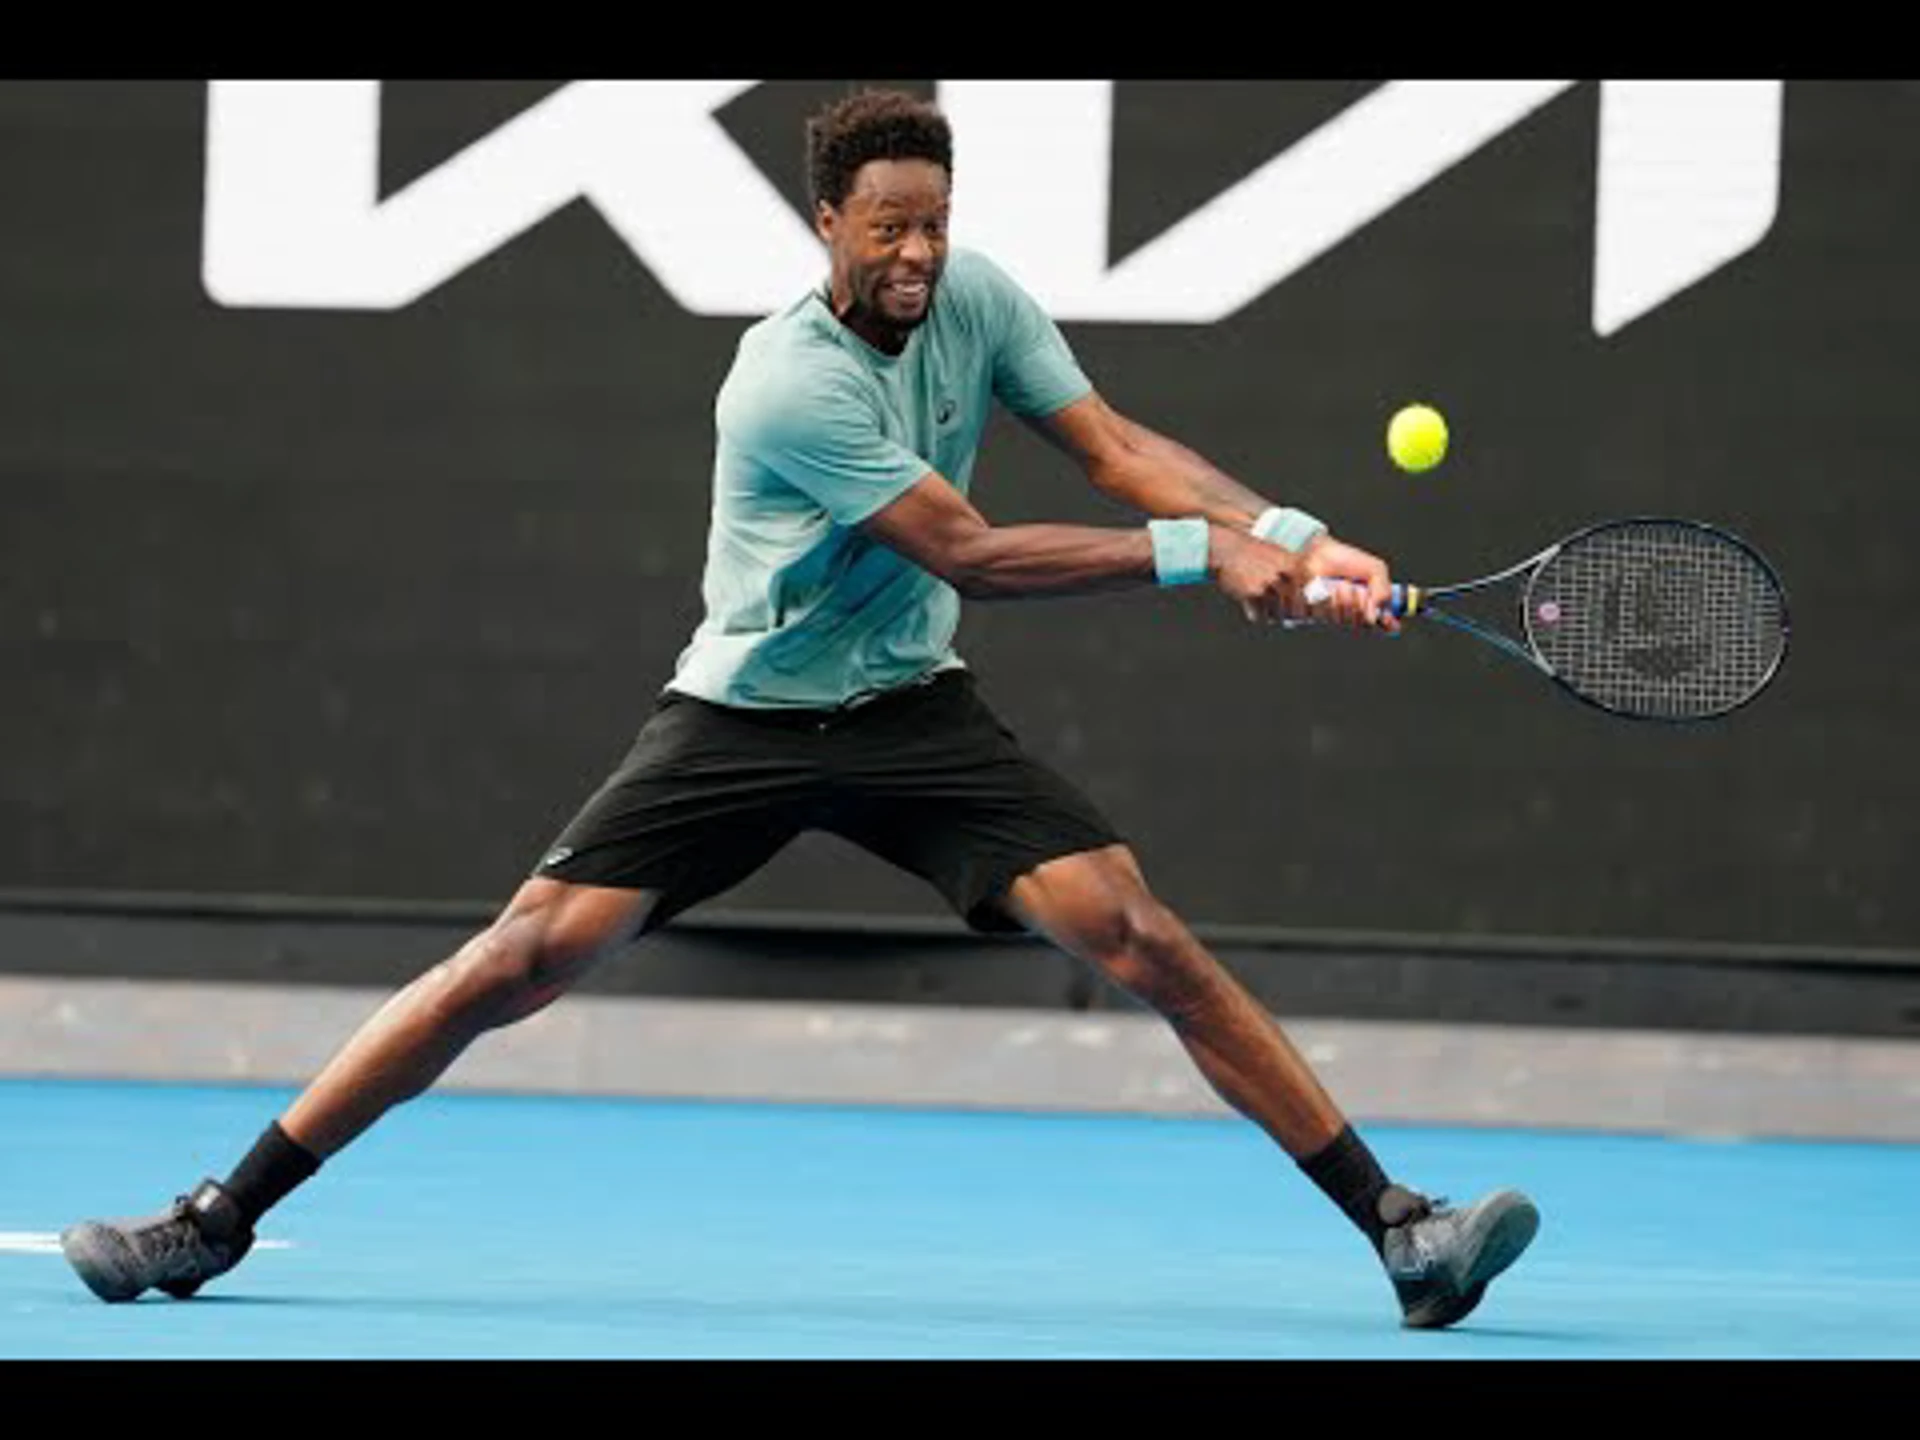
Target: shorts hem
point(981, 908)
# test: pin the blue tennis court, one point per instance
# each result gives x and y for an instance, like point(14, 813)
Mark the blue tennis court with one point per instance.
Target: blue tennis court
point(469, 1226)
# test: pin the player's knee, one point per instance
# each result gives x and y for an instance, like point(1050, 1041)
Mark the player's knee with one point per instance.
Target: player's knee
point(1143, 947)
point(478, 983)
point(515, 966)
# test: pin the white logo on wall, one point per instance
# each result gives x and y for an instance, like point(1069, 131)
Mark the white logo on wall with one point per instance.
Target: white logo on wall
point(1688, 179)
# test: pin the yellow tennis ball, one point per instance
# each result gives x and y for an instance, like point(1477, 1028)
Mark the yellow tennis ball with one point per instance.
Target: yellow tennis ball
point(1417, 438)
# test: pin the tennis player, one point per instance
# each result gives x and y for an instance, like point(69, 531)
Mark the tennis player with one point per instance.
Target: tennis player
point(822, 691)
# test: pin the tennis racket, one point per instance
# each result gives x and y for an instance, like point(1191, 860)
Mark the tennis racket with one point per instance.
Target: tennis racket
point(1649, 617)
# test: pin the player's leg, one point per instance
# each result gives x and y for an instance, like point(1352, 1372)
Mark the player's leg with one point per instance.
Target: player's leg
point(549, 937)
point(944, 790)
point(938, 785)
point(696, 806)
point(1097, 906)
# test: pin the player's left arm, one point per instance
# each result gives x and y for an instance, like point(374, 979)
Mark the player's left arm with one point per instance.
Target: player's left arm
point(1161, 477)
point(1144, 469)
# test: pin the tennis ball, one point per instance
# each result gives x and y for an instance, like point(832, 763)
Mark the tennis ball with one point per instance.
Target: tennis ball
point(1417, 438)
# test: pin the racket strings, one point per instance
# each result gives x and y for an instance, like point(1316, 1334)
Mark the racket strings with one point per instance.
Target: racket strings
point(1658, 619)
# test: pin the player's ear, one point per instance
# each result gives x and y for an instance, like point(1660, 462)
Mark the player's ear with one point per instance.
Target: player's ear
point(825, 217)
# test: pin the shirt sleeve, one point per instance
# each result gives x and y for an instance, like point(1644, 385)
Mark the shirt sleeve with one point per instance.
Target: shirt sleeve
point(817, 431)
point(1034, 369)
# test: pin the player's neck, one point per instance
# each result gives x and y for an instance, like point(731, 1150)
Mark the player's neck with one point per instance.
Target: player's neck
point(889, 339)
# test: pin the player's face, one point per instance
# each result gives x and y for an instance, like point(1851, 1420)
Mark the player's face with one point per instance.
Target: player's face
point(888, 242)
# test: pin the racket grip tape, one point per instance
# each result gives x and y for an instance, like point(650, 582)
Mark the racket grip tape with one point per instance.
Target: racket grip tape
point(1402, 601)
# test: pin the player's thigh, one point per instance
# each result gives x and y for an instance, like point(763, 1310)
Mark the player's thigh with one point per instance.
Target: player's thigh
point(560, 931)
point(954, 797)
point(702, 800)
point(1089, 883)
point(1095, 904)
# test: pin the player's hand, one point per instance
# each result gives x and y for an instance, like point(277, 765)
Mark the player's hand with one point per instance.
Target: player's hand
point(1265, 581)
point(1359, 585)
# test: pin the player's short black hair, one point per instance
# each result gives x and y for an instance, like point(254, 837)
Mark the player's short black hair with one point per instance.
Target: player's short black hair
point(872, 125)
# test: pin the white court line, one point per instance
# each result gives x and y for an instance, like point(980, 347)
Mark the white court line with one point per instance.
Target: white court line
point(47, 1242)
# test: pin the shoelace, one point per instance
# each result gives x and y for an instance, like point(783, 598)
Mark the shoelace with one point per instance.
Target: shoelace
point(1419, 1206)
point(1419, 1246)
point(179, 1236)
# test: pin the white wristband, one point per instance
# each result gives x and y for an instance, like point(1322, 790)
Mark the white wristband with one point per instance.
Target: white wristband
point(1289, 529)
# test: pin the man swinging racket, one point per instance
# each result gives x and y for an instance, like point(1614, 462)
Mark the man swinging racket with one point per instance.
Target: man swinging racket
point(821, 691)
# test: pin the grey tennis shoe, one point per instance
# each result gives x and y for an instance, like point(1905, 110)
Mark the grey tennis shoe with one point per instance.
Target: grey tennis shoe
point(201, 1235)
point(1440, 1259)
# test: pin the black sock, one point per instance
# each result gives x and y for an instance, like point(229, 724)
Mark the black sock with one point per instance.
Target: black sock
point(1353, 1180)
point(276, 1164)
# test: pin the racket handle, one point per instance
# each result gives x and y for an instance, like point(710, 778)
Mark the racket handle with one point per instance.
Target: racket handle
point(1402, 601)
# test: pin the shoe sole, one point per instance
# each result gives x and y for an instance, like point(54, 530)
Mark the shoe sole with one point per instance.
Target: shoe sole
point(1508, 1225)
point(1503, 1230)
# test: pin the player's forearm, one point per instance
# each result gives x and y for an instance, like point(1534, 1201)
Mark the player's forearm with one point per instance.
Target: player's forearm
point(1162, 477)
point(1028, 562)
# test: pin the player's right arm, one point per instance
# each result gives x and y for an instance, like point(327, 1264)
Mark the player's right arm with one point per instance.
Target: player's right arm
point(939, 529)
point(807, 419)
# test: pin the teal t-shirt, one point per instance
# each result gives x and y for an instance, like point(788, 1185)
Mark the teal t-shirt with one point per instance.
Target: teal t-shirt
point(817, 430)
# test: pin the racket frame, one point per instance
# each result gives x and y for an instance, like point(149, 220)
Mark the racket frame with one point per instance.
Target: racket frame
point(1423, 601)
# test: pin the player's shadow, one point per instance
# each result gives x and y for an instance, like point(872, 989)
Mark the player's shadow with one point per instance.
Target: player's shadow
point(293, 1300)
point(1122, 1326)
point(1515, 1332)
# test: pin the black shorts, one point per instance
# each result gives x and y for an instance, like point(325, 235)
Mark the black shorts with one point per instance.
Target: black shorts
point(925, 777)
